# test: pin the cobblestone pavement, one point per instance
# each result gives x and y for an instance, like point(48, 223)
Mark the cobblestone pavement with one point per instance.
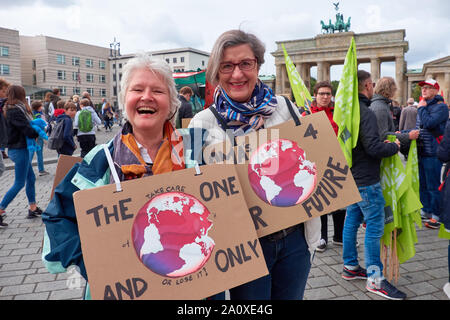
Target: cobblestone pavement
point(24, 277)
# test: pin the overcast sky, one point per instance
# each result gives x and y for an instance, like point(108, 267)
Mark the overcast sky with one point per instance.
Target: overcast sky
point(147, 25)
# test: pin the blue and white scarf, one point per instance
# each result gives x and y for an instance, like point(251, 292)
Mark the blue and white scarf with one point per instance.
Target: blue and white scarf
point(244, 117)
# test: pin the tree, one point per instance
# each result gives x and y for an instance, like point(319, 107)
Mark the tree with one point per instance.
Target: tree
point(416, 92)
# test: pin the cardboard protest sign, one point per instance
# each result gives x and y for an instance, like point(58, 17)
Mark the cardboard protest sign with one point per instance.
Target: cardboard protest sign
point(65, 163)
point(289, 173)
point(169, 236)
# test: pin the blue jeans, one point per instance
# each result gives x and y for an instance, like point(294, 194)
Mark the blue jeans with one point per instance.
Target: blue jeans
point(2, 164)
point(39, 155)
point(370, 210)
point(24, 176)
point(288, 262)
point(429, 176)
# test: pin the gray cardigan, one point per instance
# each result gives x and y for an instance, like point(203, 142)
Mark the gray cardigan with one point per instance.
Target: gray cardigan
point(380, 106)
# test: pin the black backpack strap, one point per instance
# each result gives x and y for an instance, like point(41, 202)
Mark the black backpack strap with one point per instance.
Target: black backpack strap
point(223, 124)
point(292, 112)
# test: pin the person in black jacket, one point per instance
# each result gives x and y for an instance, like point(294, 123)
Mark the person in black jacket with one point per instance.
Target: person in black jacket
point(185, 111)
point(69, 145)
point(366, 158)
point(18, 117)
point(3, 129)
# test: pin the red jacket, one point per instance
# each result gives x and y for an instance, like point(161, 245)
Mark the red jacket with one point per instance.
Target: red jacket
point(329, 112)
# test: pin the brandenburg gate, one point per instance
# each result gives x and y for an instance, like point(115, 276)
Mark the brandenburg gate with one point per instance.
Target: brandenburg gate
point(326, 50)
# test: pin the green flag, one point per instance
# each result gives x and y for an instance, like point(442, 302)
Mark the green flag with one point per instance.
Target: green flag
point(402, 201)
point(346, 109)
point(301, 93)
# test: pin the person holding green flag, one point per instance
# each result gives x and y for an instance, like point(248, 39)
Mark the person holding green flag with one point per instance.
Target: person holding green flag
point(366, 159)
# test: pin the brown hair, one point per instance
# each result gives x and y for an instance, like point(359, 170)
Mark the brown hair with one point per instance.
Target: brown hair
point(4, 83)
point(322, 84)
point(70, 105)
point(16, 94)
point(85, 102)
point(60, 104)
point(48, 96)
point(186, 90)
point(386, 87)
point(36, 104)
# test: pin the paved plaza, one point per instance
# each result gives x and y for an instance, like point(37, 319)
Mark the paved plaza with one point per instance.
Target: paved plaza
point(24, 277)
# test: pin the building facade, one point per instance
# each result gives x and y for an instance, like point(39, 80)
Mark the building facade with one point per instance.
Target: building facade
point(71, 66)
point(438, 69)
point(10, 68)
point(183, 59)
point(180, 60)
point(326, 50)
point(41, 63)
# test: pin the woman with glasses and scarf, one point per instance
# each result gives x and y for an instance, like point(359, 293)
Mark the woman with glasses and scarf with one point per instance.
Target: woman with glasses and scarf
point(18, 117)
point(243, 104)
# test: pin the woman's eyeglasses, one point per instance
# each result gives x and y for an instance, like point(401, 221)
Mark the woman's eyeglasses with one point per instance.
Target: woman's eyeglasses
point(244, 65)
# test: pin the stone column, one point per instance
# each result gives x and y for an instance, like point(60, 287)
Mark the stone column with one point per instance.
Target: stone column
point(304, 72)
point(278, 80)
point(323, 71)
point(326, 71)
point(409, 92)
point(375, 69)
point(320, 67)
point(400, 79)
point(446, 87)
point(285, 86)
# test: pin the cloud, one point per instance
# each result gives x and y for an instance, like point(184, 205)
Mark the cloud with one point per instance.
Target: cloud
point(147, 25)
point(49, 3)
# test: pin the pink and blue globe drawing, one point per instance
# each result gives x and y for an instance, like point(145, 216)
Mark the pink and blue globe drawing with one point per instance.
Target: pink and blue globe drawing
point(280, 174)
point(170, 234)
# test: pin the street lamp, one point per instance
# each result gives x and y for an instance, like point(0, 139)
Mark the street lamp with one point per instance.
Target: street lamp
point(114, 54)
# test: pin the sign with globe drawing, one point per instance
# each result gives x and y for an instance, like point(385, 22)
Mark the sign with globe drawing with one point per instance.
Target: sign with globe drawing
point(170, 234)
point(179, 235)
point(289, 174)
point(280, 174)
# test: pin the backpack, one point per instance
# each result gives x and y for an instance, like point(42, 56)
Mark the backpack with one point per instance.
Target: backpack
point(85, 121)
point(56, 139)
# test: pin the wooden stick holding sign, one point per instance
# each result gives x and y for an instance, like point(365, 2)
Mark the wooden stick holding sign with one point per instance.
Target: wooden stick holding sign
point(289, 174)
point(168, 236)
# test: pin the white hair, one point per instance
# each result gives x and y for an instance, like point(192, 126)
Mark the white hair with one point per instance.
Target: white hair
point(157, 66)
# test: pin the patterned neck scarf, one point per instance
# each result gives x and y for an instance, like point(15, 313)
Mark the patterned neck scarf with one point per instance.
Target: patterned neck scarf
point(244, 117)
point(129, 162)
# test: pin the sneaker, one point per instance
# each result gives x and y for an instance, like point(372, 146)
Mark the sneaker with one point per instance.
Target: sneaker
point(359, 273)
point(432, 224)
point(2, 224)
point(447, 289)
point(385, 289)
point(34, 214)
point(322, 246)
point(338, 243)
point(43, 173)
point(424, 216)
